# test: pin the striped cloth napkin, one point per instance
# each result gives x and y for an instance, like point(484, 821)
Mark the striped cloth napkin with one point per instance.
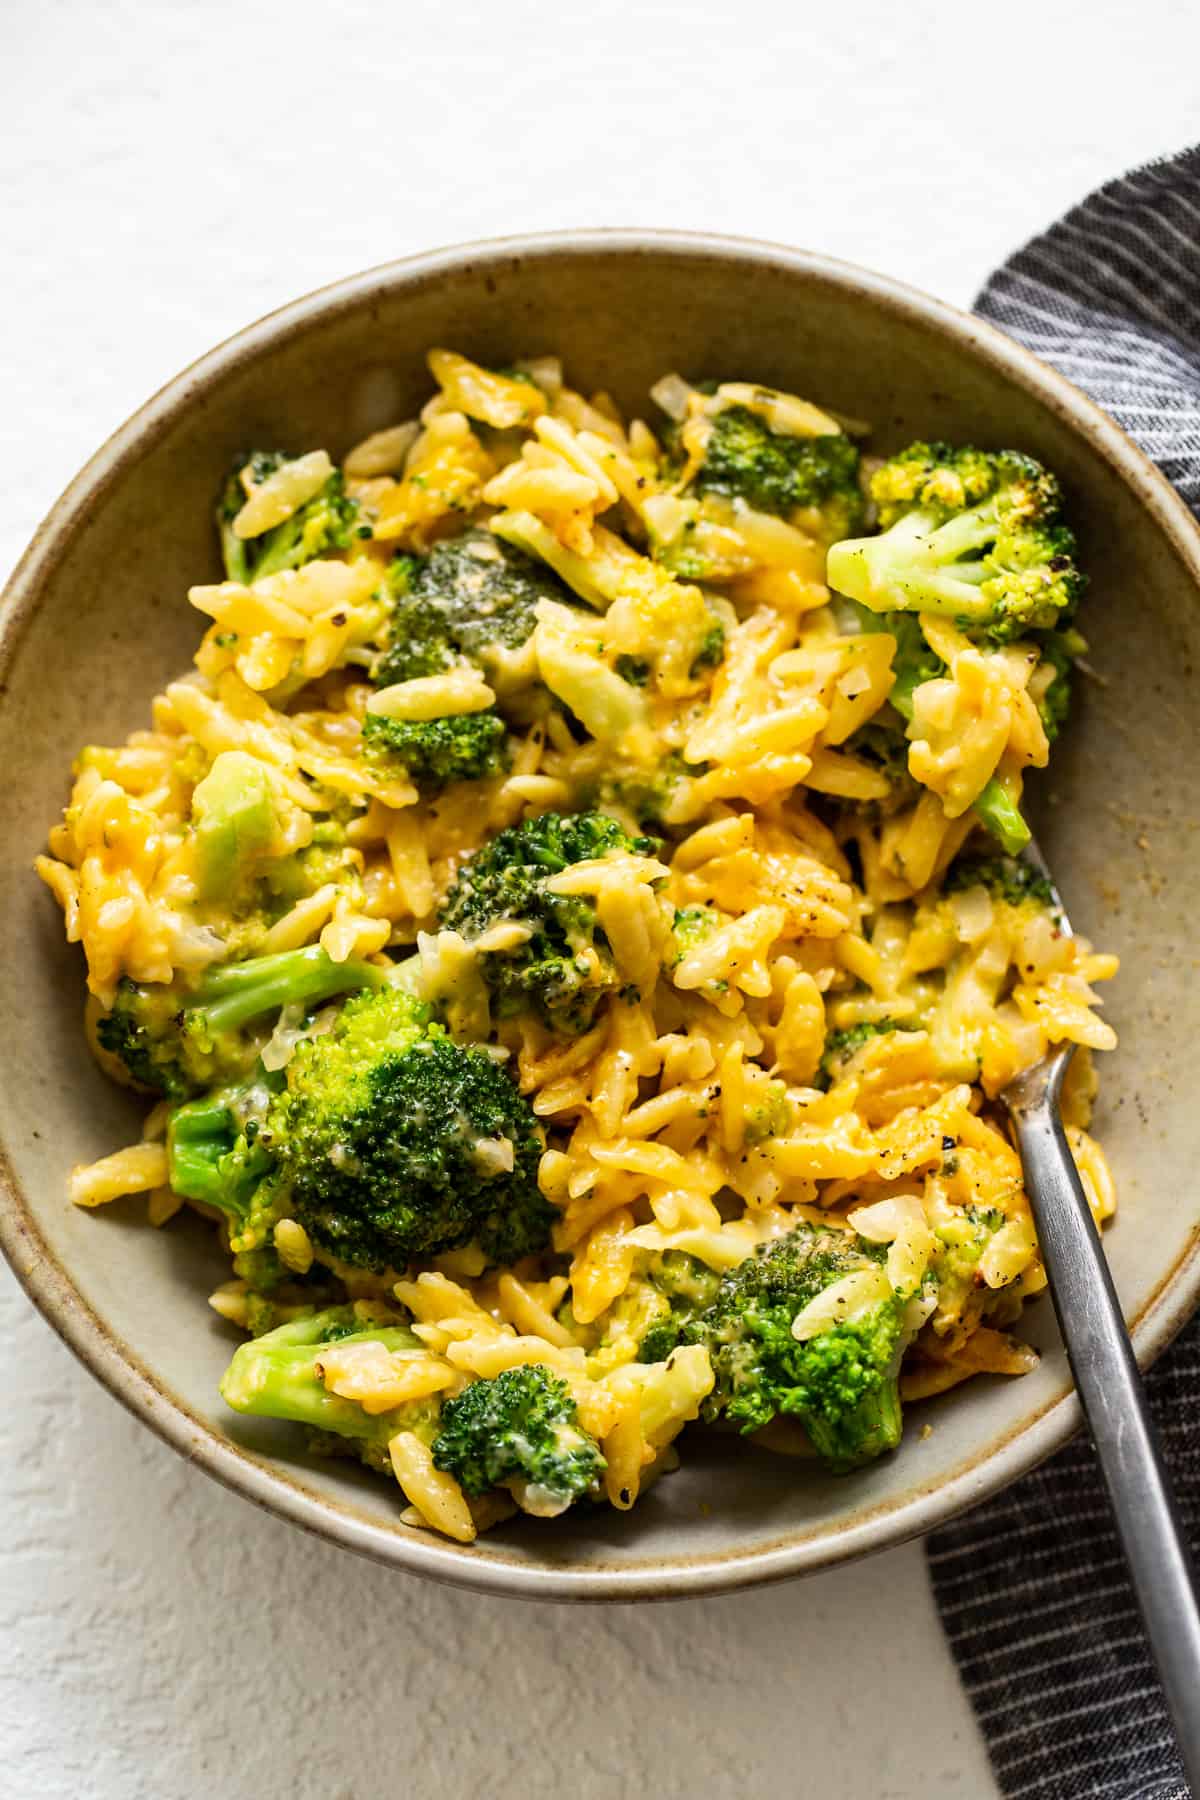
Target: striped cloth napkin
point(1031, 1586)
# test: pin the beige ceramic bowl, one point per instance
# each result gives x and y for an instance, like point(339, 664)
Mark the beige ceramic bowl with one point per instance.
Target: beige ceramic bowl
point(96, 622)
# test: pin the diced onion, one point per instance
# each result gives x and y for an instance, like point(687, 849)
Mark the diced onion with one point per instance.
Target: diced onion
point(972, 910)
point(672, 394)
point(848, 1299)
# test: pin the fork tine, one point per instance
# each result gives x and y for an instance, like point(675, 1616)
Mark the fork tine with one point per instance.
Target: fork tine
point(1033, 858)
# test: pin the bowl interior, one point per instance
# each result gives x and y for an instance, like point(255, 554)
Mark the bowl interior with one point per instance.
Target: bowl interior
point(99, 621)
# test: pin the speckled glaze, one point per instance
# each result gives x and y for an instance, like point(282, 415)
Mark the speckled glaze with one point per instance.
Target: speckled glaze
point(95, 621)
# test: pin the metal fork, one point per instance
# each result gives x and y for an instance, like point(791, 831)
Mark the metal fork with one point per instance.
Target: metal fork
point(1108, 1383)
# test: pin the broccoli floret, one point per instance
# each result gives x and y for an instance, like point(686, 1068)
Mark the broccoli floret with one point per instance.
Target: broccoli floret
point(842, 1046)
point(748, 459)
point(278, 1376)
point(768, 1116)
point(1055, 704)
point(840, 1382)
point(564, 968)
point(973, 535)
point(690, 926)
point(1059, 651)
point(913, 662)
point(234, 822)
point(518, 1429)
point(286, 879)
point(247, 473)
point(473, 595)
point(652, 797)
point(392, 1141)
point(329, 521)
point(745, 460)
point(954, 1267)
point(179, 1039)
point(883, 748)
point(651, 794)
point(882, 742)
point(418, 641)
point(678, 1289)
point(711, 653)
point(433, 752)
point(686, 540)
point(214, 1148)
point(1005, 878)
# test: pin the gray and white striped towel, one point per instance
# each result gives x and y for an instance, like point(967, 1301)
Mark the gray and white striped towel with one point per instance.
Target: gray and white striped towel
point(1031, 1586)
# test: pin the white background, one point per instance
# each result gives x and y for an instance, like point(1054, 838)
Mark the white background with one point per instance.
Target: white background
point(171, 171)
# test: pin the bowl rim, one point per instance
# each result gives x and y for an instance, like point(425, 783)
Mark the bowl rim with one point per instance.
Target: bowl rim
point(485, 1567)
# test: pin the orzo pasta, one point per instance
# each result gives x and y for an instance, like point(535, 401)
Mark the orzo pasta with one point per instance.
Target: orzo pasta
point(568, 924)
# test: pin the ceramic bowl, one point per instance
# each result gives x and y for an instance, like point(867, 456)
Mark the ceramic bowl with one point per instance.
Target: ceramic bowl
point(96, 622)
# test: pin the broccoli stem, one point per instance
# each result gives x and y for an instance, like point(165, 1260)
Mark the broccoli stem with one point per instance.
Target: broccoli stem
point(234, 554)
point(1000, 813)
point(918, 565)
point(201, 1132)
point(210, 1158)
point(275, 1377)
point(235, 993)
point(908, 679)
point(282, 548)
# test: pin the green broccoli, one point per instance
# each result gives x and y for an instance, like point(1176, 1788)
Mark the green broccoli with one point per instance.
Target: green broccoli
point(813, 479)
point(237, 837)
point(179, 1038)
point(842, 1046)
point(1060, 650)
point(997, 809)
point(214, 1148)
point(745, 460)
point(954, 1268)
point(278, 1376)
point(711, 653)
point(882, 742)
point(689, 927)
point(651, 794)
point(474, 595)
point(883, 748)
point(634, 669)
point(284, 880)
point(564, 968)
point(391, 1141)
point(842, 1381)
point(329, 521)
point(637, 670)
point(418, 642)
point(234, 822)
point(654, 797)
point(913, 661)
point(769, 1116)
point(974, 535)
point(518, 1430)
point(1006, 879)
point(434, 752)
point(676, 1290)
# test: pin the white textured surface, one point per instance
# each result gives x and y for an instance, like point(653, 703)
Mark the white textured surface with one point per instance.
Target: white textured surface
point(173, 171)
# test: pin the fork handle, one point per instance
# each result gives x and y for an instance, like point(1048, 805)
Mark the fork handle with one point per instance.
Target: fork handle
point(1114, 1402)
